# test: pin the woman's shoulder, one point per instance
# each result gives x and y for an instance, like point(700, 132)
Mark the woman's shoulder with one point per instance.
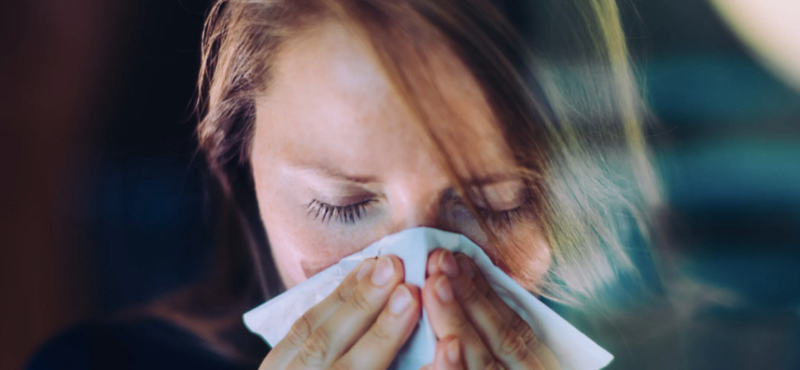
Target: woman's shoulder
point(140, 343)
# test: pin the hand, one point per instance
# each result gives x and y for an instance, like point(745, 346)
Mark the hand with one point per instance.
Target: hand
point(354, 327)
point(476, 329)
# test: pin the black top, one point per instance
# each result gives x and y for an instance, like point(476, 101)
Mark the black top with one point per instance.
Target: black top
point(141, 344)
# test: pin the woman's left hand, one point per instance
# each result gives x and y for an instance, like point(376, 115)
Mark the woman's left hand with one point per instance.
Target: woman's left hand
point(476, 329)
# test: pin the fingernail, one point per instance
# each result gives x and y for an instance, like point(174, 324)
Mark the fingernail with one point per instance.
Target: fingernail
point(384, 270)
point(466, 267)
point(452, 351)
point(443, 290)
point(400, 300)
point(365, 267)
point(448, 264)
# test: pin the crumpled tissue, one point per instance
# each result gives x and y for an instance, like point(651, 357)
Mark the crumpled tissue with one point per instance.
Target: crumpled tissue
point(574, 351)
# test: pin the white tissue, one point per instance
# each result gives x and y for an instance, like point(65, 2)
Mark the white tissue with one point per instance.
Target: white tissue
point(573, 350)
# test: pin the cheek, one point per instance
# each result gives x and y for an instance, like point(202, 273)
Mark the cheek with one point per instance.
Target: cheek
point(526, 255)
point(302, 246)
point(300, 252)
point(521, 251)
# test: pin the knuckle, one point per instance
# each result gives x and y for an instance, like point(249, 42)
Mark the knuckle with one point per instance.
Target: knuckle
point(360, 302)
point(470, 295)
point(316, 348)
point(300, 330)
point(380, 332)
point(525, 332)
point(512, 345)
point(343, 294)
point(530, 339)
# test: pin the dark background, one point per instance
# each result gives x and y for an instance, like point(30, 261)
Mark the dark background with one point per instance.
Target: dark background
point(103, 205)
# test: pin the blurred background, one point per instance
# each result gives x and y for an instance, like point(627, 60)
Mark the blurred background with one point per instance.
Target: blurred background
point(102, 203)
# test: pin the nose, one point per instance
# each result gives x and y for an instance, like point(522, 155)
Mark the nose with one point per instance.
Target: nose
point(430, 211)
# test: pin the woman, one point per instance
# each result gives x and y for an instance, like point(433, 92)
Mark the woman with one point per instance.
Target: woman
point(360, 118)
point(328, 124)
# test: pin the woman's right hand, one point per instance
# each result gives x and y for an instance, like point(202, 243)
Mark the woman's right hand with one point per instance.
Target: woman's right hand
point(361, 325)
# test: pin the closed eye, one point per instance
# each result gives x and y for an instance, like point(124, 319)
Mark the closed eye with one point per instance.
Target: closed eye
point(351, 213)
point(346, 214)
point(505, 218)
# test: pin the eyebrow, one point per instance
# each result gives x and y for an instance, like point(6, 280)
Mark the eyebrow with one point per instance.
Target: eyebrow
point(493, 179)
point(328, 171)
point(335, 173)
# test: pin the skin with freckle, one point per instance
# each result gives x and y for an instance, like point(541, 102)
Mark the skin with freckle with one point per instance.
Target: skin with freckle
point(358, 119)
point(330, 117)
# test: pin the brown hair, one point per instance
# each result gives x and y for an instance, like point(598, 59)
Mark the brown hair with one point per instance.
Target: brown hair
point(557, 79)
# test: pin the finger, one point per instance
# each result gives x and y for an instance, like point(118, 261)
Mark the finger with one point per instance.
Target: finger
point(467, 265)
point(437, 264)
point(352, 318)
point(448, 319)
point(448, 355)
point(542, 352)
point(377, 348)
point(496, 330)
point(469, 268)
point(283, 353)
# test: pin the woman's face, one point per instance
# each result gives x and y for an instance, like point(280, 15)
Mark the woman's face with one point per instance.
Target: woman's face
point(338, 162)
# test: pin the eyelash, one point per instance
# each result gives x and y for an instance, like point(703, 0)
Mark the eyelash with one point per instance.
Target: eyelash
point(506, 219)
point(349, 214)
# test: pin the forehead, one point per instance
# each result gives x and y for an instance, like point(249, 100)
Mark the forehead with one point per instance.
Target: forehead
point(330, 98)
